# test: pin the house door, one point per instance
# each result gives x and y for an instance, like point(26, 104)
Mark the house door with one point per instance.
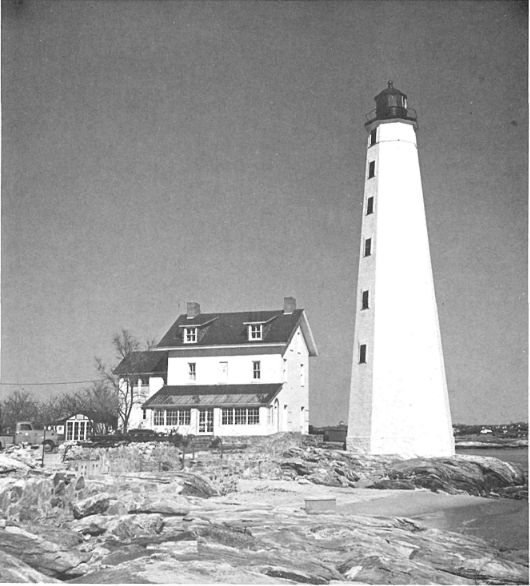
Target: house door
point(206, 421)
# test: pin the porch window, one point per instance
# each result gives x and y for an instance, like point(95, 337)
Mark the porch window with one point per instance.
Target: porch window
point(253, 416)
point(178, 417)
point(240, 416)
point(159, 417)
point(227, 417)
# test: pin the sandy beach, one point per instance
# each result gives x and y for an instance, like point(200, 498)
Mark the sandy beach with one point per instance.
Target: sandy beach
point(501, 522)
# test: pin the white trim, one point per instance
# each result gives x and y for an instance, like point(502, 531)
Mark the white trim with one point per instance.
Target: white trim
point(221, 346)
point(199, 325)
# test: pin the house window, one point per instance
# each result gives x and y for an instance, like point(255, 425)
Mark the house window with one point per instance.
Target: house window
point(365, 300)
point(368, 247)
point(240, 416)
point(256, 369)
point(144, 414)
point(190, 335)
point(192, 371)
point(255, 332)
point(362, 354)
point(371, 169)
point(159, 417)
point(302, 375)
point(178, 417)
point(370, 206)
point(373, 137)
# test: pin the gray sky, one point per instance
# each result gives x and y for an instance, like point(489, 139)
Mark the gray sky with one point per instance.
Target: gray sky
point(162, 152)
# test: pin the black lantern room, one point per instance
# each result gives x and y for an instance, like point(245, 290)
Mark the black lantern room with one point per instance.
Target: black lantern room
point(391, 104)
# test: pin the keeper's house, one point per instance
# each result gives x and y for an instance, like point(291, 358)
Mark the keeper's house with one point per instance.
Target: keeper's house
point(228, 374)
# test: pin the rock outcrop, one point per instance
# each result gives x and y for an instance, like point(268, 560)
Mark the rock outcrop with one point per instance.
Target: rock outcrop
point(159, 527)
point(474, 475)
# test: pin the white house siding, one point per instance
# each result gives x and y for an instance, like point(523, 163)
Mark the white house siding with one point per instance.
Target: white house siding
point(149, 386)
point(294, 397)
point(208, 369)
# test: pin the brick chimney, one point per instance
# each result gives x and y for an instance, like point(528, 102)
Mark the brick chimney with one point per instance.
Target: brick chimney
point(289, 304)
point(193, 309)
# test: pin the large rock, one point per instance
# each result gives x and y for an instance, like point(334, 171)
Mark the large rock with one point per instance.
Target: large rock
point(93, 525)
point(92, 505)
point(11, 464)
point(41, 554)
point(128, 527)
point(474, 475)
point(175, 505)
point(14, 570)
point(162, 569)
point(61, 536)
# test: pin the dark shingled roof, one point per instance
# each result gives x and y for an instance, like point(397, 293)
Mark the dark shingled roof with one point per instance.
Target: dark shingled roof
point(198, 396)
point(222, 329)
point(148, 362)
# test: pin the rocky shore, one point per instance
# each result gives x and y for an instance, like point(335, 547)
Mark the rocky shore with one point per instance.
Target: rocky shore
point(243, 519)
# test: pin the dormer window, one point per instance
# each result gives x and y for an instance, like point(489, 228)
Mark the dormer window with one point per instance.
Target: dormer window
point(190, 335)
point(255, 332)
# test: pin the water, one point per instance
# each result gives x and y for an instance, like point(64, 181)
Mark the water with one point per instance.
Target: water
point(502, 522)
point(514, 455)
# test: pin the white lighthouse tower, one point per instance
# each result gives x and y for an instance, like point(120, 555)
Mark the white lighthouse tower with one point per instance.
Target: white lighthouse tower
point(398, 399)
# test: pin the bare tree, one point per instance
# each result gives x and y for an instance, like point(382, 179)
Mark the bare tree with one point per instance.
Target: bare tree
point(19, 405)
point(101, 404)
point(123, 387)
point(49, 411)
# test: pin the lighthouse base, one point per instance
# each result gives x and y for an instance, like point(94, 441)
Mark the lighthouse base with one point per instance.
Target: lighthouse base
point(408, 447)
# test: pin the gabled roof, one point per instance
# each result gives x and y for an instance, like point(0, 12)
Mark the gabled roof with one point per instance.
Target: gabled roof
point(169, 397)
point(147, 362)
point(229, 329)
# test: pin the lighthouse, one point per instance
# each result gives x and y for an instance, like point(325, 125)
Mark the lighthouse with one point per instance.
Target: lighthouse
point(398, 399)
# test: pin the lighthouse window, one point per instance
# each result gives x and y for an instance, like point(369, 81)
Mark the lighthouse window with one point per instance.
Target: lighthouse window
point(368, 247)
point(365, 300)
point(362, 354)
point(373, 137)
point(371, 170)
point(370, 206)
